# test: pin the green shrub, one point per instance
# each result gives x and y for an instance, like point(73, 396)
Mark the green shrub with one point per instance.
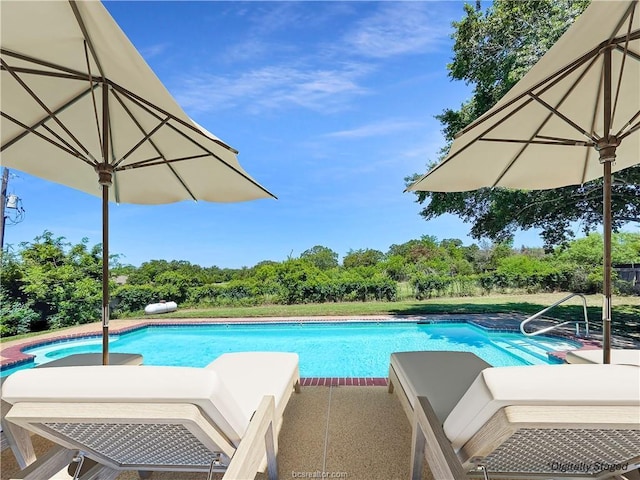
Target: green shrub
point(15, 317)
point(133, 298)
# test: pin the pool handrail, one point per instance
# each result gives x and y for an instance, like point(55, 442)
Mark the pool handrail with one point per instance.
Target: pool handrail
point(553, 327)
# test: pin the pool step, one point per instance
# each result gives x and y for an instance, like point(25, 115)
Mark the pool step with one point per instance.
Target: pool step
point(523, 350)
point(531, 346)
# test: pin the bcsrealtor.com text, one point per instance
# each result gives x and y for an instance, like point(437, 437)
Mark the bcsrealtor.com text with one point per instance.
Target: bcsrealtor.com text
point(584, 467)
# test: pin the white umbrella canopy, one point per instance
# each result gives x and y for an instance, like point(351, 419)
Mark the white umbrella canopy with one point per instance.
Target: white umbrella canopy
point(574, 117)
point(53, 112)
point(82, 108)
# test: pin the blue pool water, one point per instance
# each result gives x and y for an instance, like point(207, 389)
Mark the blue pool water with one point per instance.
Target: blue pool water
point(326, 350)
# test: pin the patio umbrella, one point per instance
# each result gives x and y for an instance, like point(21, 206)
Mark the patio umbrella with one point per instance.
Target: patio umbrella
point(81, 107)
point(574, 117)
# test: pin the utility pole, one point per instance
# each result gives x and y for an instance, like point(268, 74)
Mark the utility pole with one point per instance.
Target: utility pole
point(3, 203)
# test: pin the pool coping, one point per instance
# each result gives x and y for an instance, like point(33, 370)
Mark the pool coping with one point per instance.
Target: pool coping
point(12, 355)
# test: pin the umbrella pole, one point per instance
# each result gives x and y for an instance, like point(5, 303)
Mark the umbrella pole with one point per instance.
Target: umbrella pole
point(105, 274)
point(606, 287)
point(607, 149)
point(105, 179)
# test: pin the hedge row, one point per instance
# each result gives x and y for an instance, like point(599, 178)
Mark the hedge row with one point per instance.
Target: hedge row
point(132, 298)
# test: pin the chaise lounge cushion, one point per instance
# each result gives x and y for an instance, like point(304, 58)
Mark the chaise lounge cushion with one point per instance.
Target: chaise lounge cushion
point(565, 384)
point(250, 376)
point(622, 357)
point(144, 384)
point(443, 377)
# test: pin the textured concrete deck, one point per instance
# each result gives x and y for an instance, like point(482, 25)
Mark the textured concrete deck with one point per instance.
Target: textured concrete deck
point(353, 433)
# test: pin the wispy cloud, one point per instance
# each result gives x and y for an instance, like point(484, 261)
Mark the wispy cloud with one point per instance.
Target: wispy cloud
point(377, 129)
point(319, 76)
point(271, 87)
point(398, 28)
point(154, 50)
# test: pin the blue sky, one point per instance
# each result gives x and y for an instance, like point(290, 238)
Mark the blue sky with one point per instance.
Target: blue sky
point(330, 104)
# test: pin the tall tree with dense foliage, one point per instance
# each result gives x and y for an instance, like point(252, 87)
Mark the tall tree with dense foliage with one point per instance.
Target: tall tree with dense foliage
point(322, 257)
point(362, 258)
point(59, 281)
point(493, 49)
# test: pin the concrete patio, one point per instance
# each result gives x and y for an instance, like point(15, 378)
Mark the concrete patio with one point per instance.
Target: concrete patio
point(355, 433)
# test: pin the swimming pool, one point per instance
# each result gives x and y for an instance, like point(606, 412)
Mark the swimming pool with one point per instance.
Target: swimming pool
point(354, 349)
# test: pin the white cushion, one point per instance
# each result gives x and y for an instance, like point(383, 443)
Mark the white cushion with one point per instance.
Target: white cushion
point(623, 357)
point(249, 376)
point(143, 384)
point(499, 387)
point(443, 377)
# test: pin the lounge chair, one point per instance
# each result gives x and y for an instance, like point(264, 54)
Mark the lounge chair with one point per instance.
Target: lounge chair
point(21, 446)
point(221, 418)
point(618, 356)
point(542, 421)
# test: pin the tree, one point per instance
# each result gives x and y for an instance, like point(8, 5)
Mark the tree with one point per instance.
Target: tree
point(588, 250)
point(322, 257)
point(362, 258)
point(493, 49)
point(59, 281)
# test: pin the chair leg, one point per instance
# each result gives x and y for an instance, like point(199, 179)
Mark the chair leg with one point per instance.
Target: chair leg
point(18, 439)
point(418, 443)
point(100, 472)
point(270, 443)
point(47, 465)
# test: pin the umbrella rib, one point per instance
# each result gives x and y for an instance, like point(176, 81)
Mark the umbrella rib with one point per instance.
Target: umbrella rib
point(71, 152)
point(64, 142)
point(629, 53)
point(153, 162)
point(147, 136)
point(86, 36)
point(544, 141)
point(33, 71)
point(594, 117)
point(552, 111)
point(147, 105)
point(143, 102)
point(93, 97)
point(144, 139)
point(124, 106)
point(43, 63)
point(624, 58)
point(555, 112)
point(560, 75)
point(633, 129)
point(567, 141)
point(44, 120)
point(142, 163)
point(478, 137)
point(43, 106)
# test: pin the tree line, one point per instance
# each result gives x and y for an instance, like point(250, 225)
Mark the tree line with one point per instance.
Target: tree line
point(51, 283)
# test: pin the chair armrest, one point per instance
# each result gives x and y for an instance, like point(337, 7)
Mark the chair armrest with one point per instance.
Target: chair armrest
point(429, 440)
point(260, 436)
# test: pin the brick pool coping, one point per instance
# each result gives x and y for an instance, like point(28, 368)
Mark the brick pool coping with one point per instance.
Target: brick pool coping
point(11, 354)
